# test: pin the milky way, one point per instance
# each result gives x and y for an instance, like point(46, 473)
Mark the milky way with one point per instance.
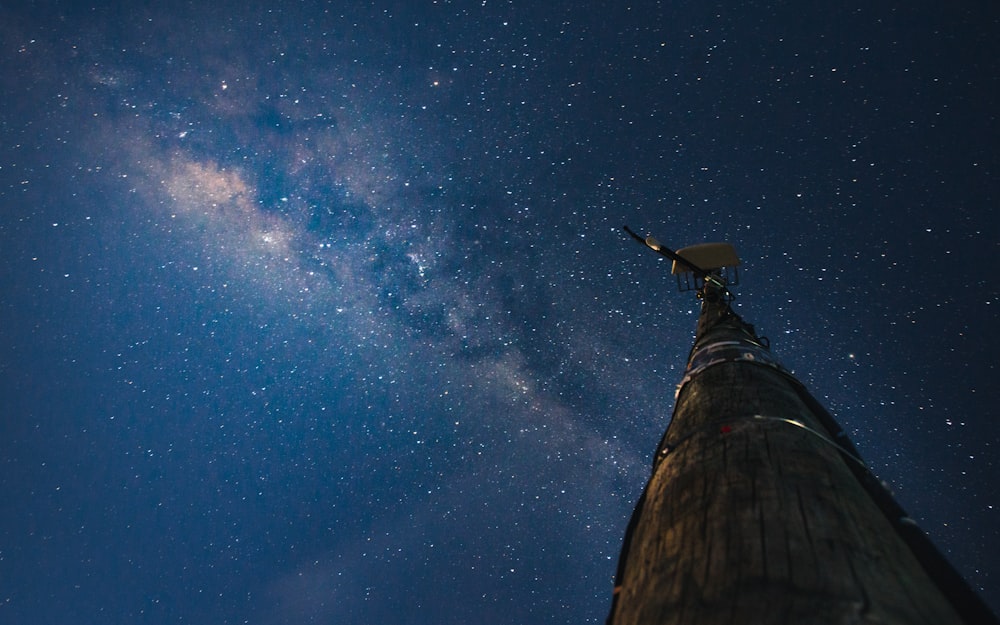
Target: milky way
point(325, 313)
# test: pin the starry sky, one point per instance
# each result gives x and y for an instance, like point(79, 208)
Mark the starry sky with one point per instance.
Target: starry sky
point(324, 313)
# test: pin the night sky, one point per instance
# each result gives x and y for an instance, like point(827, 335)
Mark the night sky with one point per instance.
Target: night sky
point(324, 313)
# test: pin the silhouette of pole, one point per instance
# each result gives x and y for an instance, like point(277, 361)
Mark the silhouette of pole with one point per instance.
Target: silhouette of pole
point(759, 510)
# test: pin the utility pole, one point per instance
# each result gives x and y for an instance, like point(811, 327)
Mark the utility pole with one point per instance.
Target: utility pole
point(759, 509)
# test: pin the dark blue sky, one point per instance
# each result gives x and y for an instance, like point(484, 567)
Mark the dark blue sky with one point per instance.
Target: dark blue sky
point(323, 313)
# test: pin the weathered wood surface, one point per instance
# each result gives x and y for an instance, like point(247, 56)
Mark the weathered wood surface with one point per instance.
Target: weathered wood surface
point(760, 521)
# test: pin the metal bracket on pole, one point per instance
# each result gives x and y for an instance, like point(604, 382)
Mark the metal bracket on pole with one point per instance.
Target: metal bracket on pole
point(711, 278)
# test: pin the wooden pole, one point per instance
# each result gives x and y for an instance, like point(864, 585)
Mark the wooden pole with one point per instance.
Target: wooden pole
point(754, 512)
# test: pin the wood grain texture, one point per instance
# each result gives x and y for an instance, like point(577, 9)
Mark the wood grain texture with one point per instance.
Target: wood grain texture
point(757, 520)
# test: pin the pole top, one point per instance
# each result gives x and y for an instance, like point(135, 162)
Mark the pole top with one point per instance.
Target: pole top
point(707, 256)
point(705, 267)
